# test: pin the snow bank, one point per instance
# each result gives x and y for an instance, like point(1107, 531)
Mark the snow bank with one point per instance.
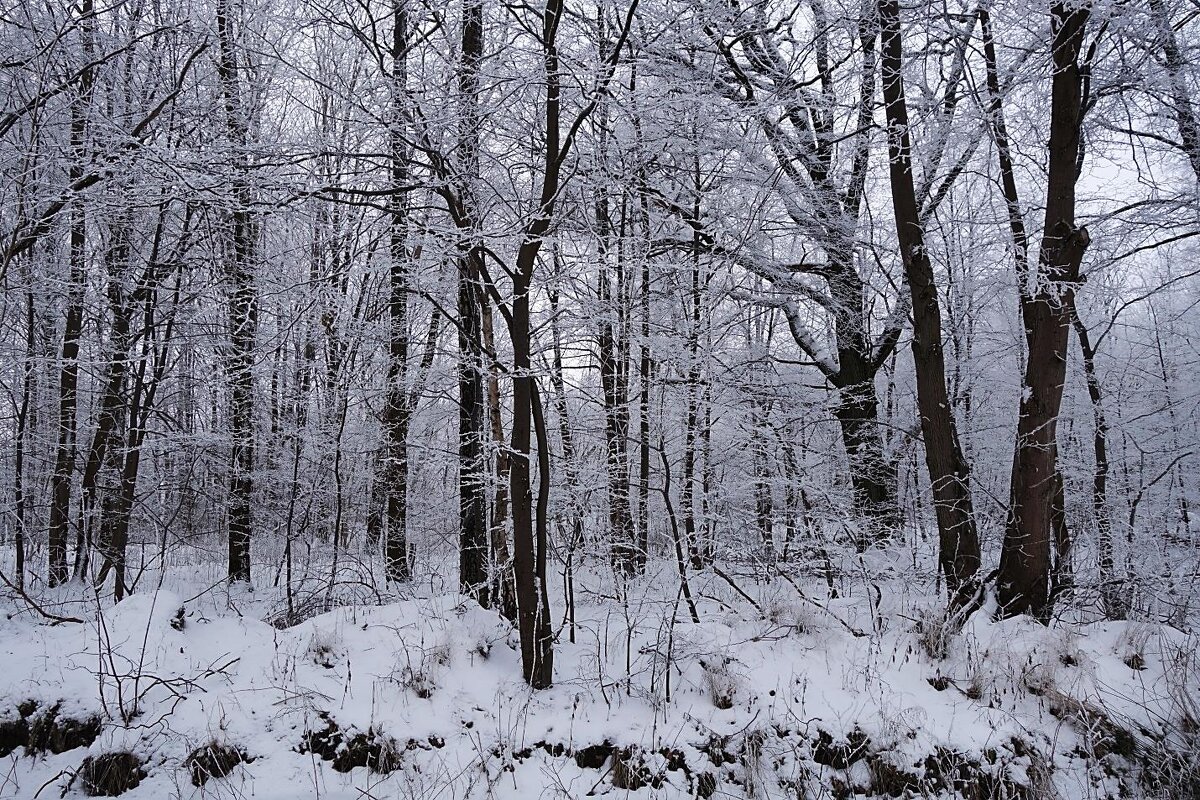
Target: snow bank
point(423, 698)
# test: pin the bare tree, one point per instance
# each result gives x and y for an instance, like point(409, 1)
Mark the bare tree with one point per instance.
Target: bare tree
point(240, 261)
point(949, 474)
point(1046, 297)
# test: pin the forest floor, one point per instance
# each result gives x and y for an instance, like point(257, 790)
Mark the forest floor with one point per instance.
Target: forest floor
point(186, 691)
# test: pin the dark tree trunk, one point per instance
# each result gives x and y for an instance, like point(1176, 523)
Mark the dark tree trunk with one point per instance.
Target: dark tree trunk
point(113, 401)
point(543, 634)
point(68, 379)
point(529, 556)
point(699, 552)
point(117, 506)
point(531, 612)
point(243, 301)
point(24, 413)
point(949, 476)
point(616, 426)
point(1025, 564)
point(613, 348)
point(68, 388)
point(1113, 588)
point(645, 377)
point(872, 475)
point(472, 461)
point(396, 413)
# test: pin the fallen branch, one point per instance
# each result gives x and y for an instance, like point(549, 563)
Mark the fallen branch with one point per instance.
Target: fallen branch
point(850, 628)
point(34, 605)
point(721, 574)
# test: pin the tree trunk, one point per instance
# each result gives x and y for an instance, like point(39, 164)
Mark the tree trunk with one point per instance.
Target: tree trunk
point(872, 475)
point(24, 413)
point(949, 476)
point(118, 505)
point(1023, 582)
point(396, 413)
point(613, 347)
point(1113, 589)
point(699, 552)
point(531, 612)
point(472, 462)
point(243, 302)
point(645, 377)
point(616, 424)
point(543, 634)
point(533, 607)
point(111, 417)
point(504, 593)
point(68, 380)
point(68, 387)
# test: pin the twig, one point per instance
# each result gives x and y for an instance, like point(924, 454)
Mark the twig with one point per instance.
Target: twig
point(34, 605)
point(853, 630)
point(721, 574)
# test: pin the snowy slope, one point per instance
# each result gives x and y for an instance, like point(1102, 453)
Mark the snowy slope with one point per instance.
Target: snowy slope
point(794, 698)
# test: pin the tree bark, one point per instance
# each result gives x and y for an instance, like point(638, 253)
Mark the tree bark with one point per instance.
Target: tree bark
point(1023, 581)
point(616, 419)
point(1113, 589)
point(111, 417)
point(396, 414)
point(68, 380)
point(502, 587)
point(243, 301)
point(472, 463)
point(24, 415)
point(949, 475)
point(872, 475)
point(699, 552)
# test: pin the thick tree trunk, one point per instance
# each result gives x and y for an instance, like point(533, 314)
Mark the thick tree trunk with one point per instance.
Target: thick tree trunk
point(113, 400)
point(872, 475)
point(949, 476)
point(472, 463)
point(1023, 582)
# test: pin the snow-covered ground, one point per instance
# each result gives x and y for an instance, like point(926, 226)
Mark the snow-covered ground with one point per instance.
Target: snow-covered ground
point(801, 696)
